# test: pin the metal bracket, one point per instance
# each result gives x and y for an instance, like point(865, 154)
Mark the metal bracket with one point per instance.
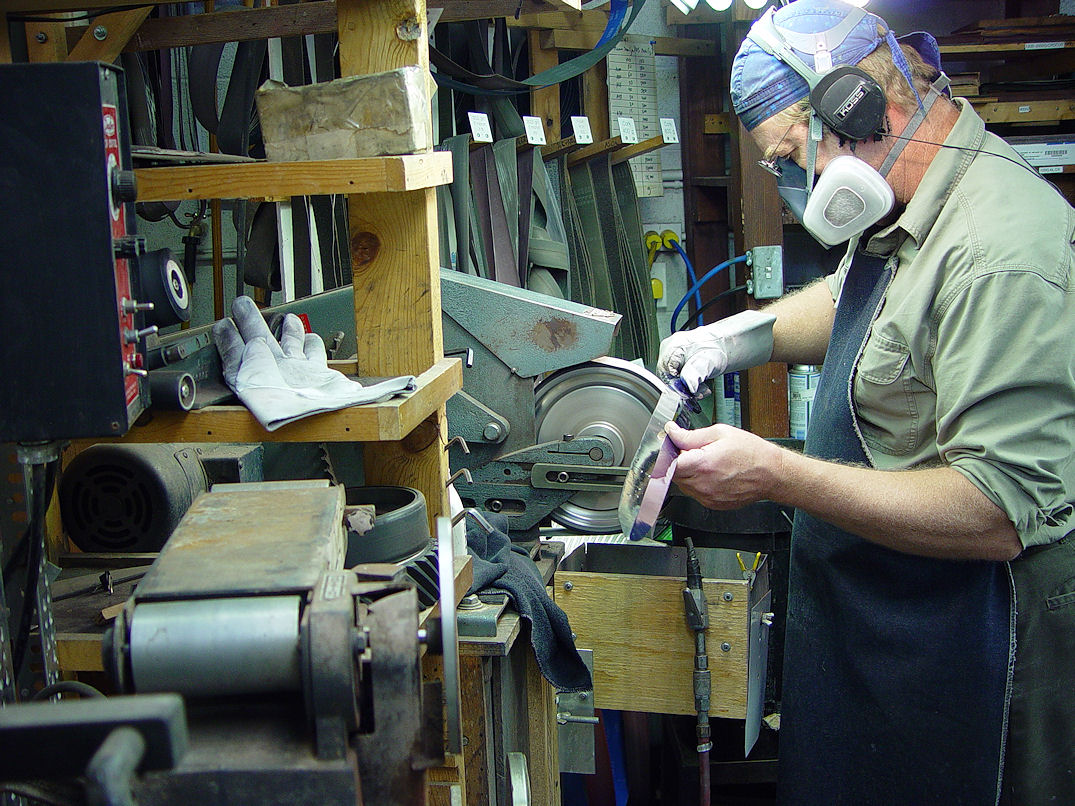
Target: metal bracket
point(575, 726)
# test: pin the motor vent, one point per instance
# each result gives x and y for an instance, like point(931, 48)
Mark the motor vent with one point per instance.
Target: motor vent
point(128, 498)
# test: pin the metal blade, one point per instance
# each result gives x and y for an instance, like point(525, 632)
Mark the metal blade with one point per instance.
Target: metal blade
point(650, 472)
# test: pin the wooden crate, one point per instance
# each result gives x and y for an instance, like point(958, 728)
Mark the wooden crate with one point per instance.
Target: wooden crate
point(625, 602)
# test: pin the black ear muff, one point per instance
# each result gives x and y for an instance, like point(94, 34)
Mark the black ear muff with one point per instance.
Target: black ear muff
point(850, 103)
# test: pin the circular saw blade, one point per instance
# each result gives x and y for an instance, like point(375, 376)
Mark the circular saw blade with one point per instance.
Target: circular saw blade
point(606, 397)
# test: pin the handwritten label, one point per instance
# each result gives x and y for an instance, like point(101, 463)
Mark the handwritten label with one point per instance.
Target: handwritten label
point(580, 125)
point(628, 133)
point(479, 127)
point(668, 130)
point(535, 132)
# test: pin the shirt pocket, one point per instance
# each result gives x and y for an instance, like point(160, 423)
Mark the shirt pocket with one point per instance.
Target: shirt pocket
point(884, 397)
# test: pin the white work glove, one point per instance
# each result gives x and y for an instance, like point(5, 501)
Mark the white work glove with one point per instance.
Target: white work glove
point(736, 342)
point(286, 380)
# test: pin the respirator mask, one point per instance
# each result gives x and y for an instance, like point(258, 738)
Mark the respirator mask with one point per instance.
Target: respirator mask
point(850, 195)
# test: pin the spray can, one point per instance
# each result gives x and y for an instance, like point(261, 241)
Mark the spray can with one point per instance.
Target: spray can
point(802, 383)
point(729, 409)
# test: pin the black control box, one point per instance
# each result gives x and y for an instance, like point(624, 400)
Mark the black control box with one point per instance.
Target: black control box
point(71, 333)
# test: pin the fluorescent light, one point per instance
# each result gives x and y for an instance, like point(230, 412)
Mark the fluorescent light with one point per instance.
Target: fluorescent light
point(685, 6)
point(755, 4)
point(719, 5)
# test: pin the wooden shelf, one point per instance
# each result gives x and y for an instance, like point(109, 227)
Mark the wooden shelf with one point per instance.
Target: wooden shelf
point(1029, 111)
point(250, 180)
point(376, 422)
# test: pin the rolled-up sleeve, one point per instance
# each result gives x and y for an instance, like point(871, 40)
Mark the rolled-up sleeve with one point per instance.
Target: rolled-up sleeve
point(1005, 370)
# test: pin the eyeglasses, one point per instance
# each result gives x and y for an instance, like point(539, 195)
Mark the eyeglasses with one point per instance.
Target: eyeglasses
point(772, 165)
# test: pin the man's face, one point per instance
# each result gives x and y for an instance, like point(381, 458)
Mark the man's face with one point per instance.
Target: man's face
point(777, 141)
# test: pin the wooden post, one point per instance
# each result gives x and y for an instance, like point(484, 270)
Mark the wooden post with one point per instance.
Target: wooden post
point(595, 100)
point(5, 40)
point(765, 404)
point(544, 103)
point(543, 760)
point(394, 257)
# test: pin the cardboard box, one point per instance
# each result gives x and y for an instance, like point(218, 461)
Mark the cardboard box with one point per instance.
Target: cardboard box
point(1046, 150)
point(360, 116)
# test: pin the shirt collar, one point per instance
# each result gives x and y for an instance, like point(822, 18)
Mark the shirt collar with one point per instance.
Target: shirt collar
point(941, 177)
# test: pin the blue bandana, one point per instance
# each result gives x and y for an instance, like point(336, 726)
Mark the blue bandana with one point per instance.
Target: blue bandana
point(762, 85)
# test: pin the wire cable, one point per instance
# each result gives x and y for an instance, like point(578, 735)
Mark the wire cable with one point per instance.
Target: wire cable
point(83, 690)
point(713, 301)
point(713, 272)
point(690, 274)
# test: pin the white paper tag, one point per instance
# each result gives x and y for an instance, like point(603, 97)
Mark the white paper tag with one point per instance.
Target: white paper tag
point(628, 133)
point(1043, 46)
point(1051, 169)
point(432, 17)
point(580, 125)
point(668, 130)
point(535, 132)
point(479, 127)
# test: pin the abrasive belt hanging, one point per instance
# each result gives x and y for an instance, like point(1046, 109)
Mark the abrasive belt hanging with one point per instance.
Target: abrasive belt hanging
point(635, 261)
point(611, 227)
point(490, 83)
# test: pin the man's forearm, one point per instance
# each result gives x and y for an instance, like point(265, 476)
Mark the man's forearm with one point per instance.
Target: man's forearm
point(935, 512)
point(803, 325)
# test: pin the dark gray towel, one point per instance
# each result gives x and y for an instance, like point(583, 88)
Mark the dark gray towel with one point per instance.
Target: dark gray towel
point(501, 568)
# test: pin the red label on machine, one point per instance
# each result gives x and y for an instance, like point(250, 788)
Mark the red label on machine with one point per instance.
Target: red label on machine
point(110, 121)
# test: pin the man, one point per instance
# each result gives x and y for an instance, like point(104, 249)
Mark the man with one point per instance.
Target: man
point(937, 488)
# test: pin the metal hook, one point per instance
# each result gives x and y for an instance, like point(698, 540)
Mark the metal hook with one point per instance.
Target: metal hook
point(466, 352)
point(460, 472)
point(457, 440)
point(477, 515)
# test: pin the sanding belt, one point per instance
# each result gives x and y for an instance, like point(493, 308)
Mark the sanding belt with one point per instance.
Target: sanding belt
point(237, 132)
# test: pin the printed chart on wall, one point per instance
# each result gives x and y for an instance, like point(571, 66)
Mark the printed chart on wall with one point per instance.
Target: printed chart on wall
point(632, 93)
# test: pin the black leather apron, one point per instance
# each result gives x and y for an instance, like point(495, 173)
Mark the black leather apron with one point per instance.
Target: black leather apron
point(897, 667)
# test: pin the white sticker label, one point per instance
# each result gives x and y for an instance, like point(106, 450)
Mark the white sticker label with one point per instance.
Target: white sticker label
point(535, 132)
point(1024, 109)
point(580, 125)
point(1043, 46)
point(479, 127)
point(1051, 169)
point(628, 133)
point(668, 130)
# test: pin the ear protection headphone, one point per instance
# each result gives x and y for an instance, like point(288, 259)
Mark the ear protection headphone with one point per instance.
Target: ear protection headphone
point(846, 98)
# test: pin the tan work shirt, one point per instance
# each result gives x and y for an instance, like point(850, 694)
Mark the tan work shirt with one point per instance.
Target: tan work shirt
point(971, 360)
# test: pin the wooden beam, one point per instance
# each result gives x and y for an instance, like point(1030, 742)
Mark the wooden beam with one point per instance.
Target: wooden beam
point(595, 100)
point(1025, 111)
point(5, 41)
point(236, 26)
point(250, 180)
point(108, 36)
point(662, 45)
point(629, 152)
point(556, 148)
point(568, 20)
point(46, 41)
point(595, 150)
point(720, 123)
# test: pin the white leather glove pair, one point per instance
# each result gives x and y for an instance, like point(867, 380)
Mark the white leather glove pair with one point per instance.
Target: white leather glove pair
point(736, 342)
point(286, 380)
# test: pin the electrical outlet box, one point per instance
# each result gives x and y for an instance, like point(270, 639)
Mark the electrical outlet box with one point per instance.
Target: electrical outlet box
point(766, 272)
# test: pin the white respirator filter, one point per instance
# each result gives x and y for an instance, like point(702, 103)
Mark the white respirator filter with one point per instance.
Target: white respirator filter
point(849, 196)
